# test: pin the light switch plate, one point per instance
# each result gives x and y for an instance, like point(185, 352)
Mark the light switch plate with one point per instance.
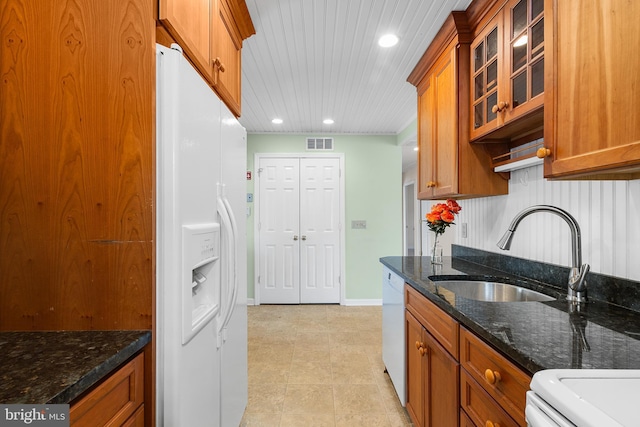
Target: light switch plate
point(359, 224)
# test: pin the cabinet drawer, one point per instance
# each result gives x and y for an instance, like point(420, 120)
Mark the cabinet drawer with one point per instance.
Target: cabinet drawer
point(113, 401)
point(480, 407)
point(137, 419)
point(505, 382)
point(465, 421)
point(439, 324)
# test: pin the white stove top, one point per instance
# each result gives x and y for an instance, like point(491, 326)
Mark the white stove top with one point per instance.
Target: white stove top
point(592, 397)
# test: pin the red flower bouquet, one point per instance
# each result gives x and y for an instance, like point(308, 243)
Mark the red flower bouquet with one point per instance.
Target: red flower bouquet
point(442, 216)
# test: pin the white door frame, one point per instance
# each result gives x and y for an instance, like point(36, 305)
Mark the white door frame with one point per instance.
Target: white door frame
point(256, 216)
point(417, 238)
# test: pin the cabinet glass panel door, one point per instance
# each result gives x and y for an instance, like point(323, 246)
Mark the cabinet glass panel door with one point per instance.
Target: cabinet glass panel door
point(485, 60)
point(527, 51)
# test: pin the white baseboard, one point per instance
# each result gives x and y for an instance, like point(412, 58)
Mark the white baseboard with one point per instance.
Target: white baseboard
point(348, 302)
point(362, 302)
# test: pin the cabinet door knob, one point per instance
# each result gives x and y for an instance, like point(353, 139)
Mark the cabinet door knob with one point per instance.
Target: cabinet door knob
point(431, 184)
point(543, 152)
point(418, 345)
point(422, 351)
point(490, 423)
point(500, 106)
point(492, 377)
point(218, 64)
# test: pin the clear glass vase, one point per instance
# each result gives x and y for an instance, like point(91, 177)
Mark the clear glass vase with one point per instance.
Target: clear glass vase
point(436, 251)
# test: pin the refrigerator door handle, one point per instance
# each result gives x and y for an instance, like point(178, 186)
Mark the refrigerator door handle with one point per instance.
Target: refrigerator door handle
point(234, 255)
point(229, 258)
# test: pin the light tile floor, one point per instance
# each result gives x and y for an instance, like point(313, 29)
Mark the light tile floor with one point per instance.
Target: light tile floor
point(319, 365)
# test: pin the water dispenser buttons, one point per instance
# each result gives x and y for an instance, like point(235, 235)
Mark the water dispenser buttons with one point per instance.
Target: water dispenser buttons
point(200, 277)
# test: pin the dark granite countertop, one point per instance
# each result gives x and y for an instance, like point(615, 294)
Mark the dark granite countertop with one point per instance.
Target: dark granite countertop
point(535, 335)
point(58, 366)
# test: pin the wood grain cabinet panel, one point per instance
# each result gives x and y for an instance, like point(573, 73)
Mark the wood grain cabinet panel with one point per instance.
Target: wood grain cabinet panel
point(432, 365)
point(137, 419)
point(507, 72)
point(480, 408)
point(77, 165)
point(439, 324)
point(118, 400)
point(448, 165)
point(210, 33)
point(502, 380)
point(188, 22)
point(478, 388)
point(226, 55)
point(592, 118)
point(432, 379)
point(415, 370)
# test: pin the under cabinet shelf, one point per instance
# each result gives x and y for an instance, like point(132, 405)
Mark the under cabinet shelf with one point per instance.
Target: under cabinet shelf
point(518, 158)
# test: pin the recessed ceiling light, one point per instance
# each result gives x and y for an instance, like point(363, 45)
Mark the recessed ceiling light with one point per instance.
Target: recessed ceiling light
point(328, 121)
point(415, 148)
point(276, 121)
point(388, 40)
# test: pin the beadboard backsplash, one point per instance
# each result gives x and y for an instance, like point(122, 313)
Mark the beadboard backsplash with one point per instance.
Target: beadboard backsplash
point(608, 213)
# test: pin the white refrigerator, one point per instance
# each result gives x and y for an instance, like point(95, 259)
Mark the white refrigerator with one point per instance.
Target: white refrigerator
point(201, 302)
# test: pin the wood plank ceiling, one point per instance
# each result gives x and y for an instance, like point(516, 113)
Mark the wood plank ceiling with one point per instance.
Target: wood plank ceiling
point(317, 59)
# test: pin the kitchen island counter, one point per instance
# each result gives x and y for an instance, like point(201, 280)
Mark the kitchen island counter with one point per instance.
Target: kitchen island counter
point(535, 335)
point(58, 366)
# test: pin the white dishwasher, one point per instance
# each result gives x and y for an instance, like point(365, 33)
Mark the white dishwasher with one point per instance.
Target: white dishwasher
point(393, 345)
point(584, 398)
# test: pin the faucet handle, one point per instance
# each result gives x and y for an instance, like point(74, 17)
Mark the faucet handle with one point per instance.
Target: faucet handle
point(577, 280)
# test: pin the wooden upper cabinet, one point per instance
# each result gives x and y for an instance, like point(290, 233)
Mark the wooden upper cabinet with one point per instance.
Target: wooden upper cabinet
point(210, 33)
point(592, 85)
point(507, 72)
point(188, 22)
point(437, 130)
point(448, 165)
point(226, 55)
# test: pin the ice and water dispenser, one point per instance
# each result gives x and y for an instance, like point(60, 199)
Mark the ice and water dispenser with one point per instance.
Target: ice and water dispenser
point(200, 277)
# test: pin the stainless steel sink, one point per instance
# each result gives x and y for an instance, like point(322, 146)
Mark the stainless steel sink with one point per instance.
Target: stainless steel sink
point(491, 291)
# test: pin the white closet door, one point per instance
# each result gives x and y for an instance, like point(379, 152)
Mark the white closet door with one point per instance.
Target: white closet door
point(279, 257)
point(319, 230)
point(299, 230)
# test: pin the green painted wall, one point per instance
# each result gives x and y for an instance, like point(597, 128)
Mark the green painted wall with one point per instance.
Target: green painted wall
point(408, 133)
point(373, 187)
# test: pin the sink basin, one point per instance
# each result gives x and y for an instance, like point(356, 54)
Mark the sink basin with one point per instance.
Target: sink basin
point(491, 291)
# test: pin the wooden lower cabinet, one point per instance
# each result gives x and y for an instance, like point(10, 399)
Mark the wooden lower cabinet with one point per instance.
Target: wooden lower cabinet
point(465, 421)
point(137, 419)
point(432, 372)
point(480, 388)
point(117, 401)
point(481, 409)
point(502, 381)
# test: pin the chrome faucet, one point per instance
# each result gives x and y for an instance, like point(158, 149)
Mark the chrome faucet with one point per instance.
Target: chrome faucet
point(577, 286)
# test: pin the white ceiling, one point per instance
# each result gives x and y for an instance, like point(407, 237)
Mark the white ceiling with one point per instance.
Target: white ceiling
point(314, 59)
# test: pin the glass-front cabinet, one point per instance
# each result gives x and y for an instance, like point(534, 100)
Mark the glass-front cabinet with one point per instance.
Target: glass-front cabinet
point(507, 69)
